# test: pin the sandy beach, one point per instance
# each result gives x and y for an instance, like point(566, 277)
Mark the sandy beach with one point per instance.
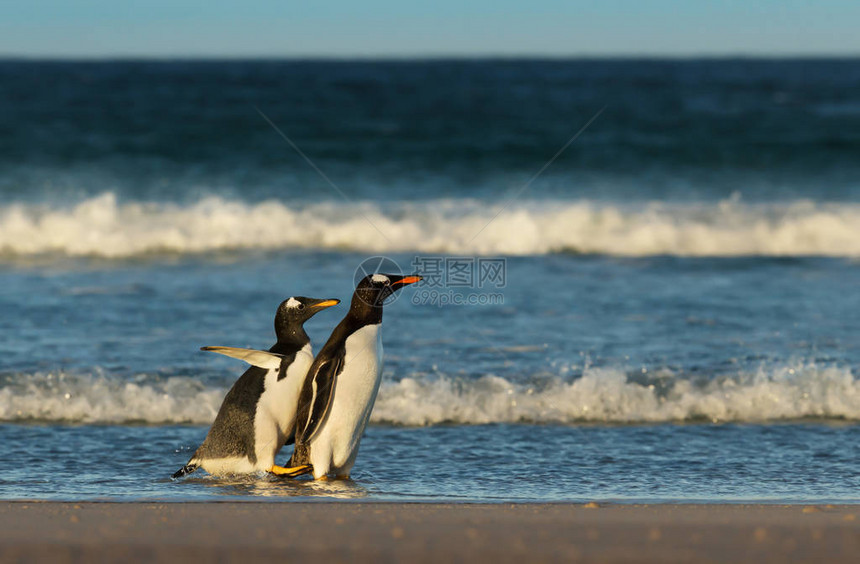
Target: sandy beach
point(374, 532)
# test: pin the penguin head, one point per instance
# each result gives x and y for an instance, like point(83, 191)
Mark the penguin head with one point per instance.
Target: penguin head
point(294, 311)
point(373, 289)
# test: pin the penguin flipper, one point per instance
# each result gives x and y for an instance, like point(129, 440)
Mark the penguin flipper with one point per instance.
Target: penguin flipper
point(316, 398)
point(294, 472)
point(262, 359)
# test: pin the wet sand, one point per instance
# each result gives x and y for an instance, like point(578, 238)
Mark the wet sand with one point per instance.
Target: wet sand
point(382, 532)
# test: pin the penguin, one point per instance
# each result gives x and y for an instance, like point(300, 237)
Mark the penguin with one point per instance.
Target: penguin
point(258, 414)
point(341, 385)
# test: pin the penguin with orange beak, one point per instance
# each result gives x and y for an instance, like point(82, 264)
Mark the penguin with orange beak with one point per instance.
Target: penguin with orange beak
point(258, 415)
point(342, 383)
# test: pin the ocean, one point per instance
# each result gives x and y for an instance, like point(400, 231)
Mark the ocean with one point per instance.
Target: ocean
point(660, 306)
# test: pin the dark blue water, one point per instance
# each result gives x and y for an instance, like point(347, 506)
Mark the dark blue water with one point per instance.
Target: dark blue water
point(676, 318)
point(680, 130)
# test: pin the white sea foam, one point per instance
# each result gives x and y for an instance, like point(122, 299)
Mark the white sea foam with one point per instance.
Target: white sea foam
point(96, 398)
point(598, 396)
point(103, 227)
point(608, 396)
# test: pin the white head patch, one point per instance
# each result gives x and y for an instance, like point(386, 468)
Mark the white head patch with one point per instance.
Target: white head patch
point(379, 278)
point(293, 302)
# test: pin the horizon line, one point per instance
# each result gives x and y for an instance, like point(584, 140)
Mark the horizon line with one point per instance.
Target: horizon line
point(15, 57)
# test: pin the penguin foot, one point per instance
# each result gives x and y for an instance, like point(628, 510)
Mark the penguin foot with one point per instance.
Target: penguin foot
point(293, 472)
point(327, 478)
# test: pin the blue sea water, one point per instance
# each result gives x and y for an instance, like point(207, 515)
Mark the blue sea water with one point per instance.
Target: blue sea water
point(677, 319)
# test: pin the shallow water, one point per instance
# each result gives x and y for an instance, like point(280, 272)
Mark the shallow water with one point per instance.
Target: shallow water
point(797, 462)
point(576, 339)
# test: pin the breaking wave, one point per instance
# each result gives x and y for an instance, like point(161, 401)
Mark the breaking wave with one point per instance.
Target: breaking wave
point(610, 396)
point(103, 227)
point(103, 399)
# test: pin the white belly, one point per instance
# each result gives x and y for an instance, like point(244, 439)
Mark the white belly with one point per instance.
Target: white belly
point(227, 466)
point(276, 410)
point(335, 446)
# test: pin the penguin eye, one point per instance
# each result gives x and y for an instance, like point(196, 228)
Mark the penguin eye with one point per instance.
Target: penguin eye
point(301, 306)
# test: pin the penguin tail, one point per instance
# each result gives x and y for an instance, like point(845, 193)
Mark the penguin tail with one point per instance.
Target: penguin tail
point(185, 470)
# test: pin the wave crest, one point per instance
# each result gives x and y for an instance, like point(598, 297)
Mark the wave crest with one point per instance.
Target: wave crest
point(599, 396)
point(609, 396)
point(102, 227)
point(100, 399)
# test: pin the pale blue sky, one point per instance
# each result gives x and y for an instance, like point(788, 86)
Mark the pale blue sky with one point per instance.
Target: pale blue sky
point(342, 28)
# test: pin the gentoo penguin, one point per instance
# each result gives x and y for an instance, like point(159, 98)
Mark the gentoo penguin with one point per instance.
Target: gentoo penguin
point(259, 412)
point(341, 386)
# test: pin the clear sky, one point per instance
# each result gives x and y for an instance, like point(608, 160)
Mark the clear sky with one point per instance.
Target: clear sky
point(361, 28)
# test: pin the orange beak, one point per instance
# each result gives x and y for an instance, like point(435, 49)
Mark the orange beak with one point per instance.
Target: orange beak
point(409, 280)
